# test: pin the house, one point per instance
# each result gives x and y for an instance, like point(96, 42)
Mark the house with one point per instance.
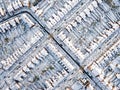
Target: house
point(70, 45)
point(44, 52)
point(67, 6)
point(19, 41)
point(27, 20)
point(15, 56)
point(34, 8)
point(49, 24)
point(15, 5)
point(35, 61)
point(17, 53)
point(2, 28)
point(73, 2)
point(118, 75)
point(57, 18)
point(7, 25)
point(20, 51)
point(112, 16)
point(48, 84)
point(67, 64)
point(4, 25)
point(3, 62)
point(115, 26)
point(63, 10)
point(95, 4)
point(26, 3)
point(82, 14)
point(68, 28)
point(12, 22)
point(52, 21)
point(108, 32)
point(80, 55)
point(52, 47)
point(78, 19)
point(7, 66)
point(104, 6)
point(19, 3)
point(118, 23)
point(64, 72)
point(113, 65)
point(60, 14)
point(10, 8)
point(14, 87)
point(2, 12)
point(62, 36)
point(99, 1)
point(74, 23)
point(25, 69)
point(38, 32)
point(38, 12)
point(12, 59)
point(20, 76)
point(90, 7)
point(77, 86)
point(31, 65)
point(17, 20)
point(94, 46)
